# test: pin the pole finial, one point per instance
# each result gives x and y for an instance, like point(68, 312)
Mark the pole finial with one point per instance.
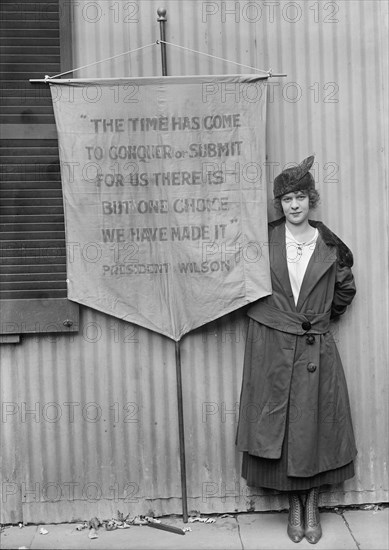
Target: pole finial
point(161, 14)
point(162, 22)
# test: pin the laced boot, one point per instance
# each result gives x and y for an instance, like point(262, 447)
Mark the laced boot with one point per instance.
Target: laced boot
point(296, 518)
point(313, 530)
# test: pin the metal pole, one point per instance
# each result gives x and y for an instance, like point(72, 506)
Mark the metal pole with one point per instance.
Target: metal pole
point(162, 20)
point(181, 433)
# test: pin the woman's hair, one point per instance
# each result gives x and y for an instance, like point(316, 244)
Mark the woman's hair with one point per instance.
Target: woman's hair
point(313, 195)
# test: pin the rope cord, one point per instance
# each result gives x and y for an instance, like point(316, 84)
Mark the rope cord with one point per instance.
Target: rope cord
point(102, 60)
point(269, 72)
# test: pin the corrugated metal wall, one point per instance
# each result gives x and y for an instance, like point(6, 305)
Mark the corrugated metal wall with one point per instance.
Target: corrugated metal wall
point(103, 435)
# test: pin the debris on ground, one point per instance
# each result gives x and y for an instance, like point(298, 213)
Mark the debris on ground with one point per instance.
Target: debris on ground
point(122, 517)
point(125, 522)
point(94, 523)
point(138, 520)
point(43, 531)
point(157, 524)
point(374, 507)
point(113, 524)
point(201, 520)
point(93, 533)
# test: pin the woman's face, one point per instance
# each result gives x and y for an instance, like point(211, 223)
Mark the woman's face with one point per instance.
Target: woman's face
point(295, 207)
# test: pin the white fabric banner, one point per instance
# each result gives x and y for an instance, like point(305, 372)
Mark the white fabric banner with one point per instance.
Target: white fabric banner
point(165, 196)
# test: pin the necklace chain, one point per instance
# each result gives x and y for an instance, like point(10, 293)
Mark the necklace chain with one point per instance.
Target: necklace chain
point(300, 245)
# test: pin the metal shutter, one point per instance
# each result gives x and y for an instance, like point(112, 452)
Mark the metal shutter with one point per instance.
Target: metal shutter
point(32, 234)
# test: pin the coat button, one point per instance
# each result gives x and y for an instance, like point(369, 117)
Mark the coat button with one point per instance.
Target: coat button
point(311, 367)
point(306, 325)
point(310, 339)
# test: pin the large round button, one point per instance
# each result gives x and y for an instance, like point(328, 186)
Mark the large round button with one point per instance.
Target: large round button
point(311, 367)
point(306, 325)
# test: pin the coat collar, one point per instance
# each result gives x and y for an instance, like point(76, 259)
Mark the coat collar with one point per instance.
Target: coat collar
point(278, 264)
point(344, 254)
point(322, 259)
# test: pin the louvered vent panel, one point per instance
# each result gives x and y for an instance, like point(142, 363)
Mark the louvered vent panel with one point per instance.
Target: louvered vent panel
point(32, 237)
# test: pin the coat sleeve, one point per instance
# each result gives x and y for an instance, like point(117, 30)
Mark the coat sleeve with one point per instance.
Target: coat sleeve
point(344, 291)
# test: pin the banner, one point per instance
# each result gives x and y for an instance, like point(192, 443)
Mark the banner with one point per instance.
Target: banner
point(164, 196)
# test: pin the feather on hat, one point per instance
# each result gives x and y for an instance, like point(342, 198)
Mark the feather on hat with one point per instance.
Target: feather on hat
point(294, 179)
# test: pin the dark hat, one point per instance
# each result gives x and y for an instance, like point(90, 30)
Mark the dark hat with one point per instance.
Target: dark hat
point(294, 179)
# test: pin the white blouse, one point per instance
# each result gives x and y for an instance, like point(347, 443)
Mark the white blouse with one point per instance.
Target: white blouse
point(298, 256)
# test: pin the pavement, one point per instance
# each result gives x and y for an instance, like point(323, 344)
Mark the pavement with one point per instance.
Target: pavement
point(347, 529)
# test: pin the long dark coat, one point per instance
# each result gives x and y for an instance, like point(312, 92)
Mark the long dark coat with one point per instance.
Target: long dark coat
point(292, 365)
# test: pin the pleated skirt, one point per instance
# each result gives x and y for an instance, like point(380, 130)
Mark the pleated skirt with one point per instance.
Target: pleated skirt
point(272, 473)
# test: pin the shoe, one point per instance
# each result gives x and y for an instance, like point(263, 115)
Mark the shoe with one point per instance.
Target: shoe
point(313, 530)
point(296, 518)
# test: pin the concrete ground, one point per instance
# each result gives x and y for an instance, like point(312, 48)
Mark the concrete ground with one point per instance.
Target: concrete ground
point(349, 530)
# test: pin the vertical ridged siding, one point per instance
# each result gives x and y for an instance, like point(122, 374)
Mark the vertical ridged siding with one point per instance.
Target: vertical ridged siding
point(86, 418)
point(337, 69)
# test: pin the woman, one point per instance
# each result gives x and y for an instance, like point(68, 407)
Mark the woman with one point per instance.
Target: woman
point(295, 425)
